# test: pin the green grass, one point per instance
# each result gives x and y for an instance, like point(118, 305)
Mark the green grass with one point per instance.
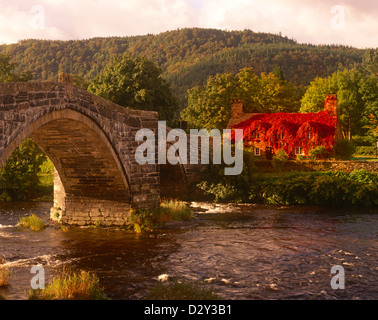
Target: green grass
point(181, 290)
point(32, 222)
point(149, 219)
point(176, 210)
point(81, 285)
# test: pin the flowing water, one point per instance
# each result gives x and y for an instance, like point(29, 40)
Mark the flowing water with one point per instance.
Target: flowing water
point(241, 251)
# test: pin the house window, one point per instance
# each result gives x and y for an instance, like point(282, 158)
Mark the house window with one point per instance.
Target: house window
point(257, 151)
point(256, 135)
point(281, 135)
point(309, 135)
point(298, 151)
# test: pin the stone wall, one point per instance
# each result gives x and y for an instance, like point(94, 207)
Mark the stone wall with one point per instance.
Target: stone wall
point(346, 166)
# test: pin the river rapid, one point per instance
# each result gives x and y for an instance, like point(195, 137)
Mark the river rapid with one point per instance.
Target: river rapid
point(242, 251)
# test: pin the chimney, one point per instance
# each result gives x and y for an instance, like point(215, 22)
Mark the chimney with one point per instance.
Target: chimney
point(65, 77)
point(236, 108)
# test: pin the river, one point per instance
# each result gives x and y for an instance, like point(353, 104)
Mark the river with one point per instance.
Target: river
point(243, 251)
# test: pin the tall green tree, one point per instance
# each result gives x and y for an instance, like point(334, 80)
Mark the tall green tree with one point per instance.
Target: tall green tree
point(352, 111)
point(210, 106)
point(136, 84)
point(7, 73)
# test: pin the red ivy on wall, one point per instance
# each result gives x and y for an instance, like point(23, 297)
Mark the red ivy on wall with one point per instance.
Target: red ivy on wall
point(289, 130)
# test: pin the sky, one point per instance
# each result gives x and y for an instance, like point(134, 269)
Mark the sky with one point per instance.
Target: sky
point(349, 22)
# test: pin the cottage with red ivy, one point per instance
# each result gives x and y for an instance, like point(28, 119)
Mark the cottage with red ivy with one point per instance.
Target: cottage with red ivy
point(295, 133)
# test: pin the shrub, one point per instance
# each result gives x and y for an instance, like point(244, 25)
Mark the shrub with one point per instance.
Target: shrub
point(280, 159)
point(344, 149)
point(365, 151)
point(82, 285)
point(149, 219)
point(32, 222)
point(318, 152)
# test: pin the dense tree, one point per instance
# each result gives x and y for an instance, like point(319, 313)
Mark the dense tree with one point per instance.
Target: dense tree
point(210, 106)
point(7, 73)
point(356, 94)
point(136, 84)
point(187, 57)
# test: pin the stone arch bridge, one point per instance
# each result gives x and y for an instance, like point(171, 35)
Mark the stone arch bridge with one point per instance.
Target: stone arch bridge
point(91, 142)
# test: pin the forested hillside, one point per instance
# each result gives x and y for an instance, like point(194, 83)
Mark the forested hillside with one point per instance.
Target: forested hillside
point(187, 57)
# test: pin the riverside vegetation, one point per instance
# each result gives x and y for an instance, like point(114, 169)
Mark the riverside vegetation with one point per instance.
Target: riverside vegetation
point(69, 285)
point(359, 187)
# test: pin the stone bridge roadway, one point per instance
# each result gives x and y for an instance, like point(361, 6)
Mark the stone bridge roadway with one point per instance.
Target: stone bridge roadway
point(91, 142)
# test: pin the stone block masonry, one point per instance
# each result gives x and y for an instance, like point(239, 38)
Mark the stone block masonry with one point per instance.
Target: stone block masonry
point(90, 141)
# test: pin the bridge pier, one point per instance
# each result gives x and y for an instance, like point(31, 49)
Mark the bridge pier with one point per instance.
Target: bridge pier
point(80, 210)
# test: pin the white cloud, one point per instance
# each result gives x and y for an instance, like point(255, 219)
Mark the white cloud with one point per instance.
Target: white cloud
point(305, 20)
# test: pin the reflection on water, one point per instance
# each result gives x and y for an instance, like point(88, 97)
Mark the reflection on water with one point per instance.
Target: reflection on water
point(242, 251)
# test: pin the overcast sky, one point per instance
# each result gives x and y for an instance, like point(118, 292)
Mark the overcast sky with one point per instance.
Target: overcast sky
point(349, 22)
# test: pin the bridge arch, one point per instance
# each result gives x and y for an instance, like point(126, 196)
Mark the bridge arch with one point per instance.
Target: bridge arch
point(91, 142)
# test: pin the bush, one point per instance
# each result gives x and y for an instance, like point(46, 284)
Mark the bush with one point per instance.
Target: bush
point(150, 219)
point(229, 188)
point(365, 151)
point(318, 152)
point(32, 222)
point(280, 159)
point(344, 149)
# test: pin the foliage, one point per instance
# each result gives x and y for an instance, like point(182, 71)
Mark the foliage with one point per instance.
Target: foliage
point(19, 176)
point(176, 210)
point(357, 96)
point(290, 130)
point(344, 149)
point(366, 151)
point(187, 56)
point(181, 290)
point(69, 285)
point(279, 159)
point(142, 220)
point(7, 69)
point(319, 188)
point(32, 222)
point(209, 107)
point(317, 152)
point(136, 84)
point(229, 187)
